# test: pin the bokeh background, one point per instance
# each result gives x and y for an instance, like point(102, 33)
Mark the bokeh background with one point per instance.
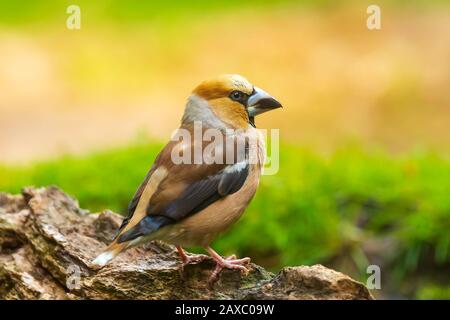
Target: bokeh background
point(365, 159)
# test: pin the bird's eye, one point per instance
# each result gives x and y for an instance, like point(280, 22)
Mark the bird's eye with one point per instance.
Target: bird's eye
point(236, 95)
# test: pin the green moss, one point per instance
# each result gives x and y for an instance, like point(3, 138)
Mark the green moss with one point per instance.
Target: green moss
point(433, 292)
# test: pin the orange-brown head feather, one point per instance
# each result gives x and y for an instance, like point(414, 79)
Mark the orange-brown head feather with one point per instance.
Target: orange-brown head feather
point(217, 93)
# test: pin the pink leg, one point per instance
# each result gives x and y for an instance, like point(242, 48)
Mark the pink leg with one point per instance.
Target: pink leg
point(226, 263)
point(183, 256)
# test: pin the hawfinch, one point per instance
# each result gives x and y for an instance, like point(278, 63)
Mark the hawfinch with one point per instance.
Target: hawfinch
point(198, 187)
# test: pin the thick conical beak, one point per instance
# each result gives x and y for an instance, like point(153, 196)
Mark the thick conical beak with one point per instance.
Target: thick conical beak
point(260, 102)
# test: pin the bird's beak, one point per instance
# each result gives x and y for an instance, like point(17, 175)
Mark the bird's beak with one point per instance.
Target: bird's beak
point(260, 102)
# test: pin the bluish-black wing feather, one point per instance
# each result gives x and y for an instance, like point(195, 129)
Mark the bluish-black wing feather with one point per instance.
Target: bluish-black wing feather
point(145, 226)
point(196, 197)
point(232, 182)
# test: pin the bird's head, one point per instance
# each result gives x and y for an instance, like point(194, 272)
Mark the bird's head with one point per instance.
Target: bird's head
point(229, 98)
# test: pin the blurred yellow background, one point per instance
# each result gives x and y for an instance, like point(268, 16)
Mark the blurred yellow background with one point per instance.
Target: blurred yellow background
point(77, 90)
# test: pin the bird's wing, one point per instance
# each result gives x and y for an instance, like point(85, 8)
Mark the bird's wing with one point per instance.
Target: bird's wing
point(132, 206)
point(185, 190)
point(135, 200)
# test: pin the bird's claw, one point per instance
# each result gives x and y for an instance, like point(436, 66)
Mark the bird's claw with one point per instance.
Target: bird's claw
point(188, 259)
point(228, 263)
point(194, 258)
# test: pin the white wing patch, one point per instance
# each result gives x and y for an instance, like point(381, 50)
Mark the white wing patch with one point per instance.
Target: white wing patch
point(237, 167)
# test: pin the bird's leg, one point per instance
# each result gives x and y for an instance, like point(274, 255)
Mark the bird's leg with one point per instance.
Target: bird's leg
point(187, 259)
point(225, 263)
point(183, 256)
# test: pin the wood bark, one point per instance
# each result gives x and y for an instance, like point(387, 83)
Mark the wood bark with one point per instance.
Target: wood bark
point(47, 242)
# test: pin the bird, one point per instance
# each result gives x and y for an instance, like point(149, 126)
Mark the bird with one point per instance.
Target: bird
point(187, 203)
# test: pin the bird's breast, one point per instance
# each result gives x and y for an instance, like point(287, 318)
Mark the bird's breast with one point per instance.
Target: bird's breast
point(203, 227)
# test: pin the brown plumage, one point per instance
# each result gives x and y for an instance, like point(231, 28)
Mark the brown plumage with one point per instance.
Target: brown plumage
point(190, 203)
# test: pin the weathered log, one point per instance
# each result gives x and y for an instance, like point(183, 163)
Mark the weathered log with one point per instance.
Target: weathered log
point(47, 243)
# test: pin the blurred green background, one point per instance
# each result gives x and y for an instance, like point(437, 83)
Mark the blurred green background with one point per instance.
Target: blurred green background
point(365, 156)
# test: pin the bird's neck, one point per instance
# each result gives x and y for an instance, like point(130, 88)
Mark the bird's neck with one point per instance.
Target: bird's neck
point(198, 110)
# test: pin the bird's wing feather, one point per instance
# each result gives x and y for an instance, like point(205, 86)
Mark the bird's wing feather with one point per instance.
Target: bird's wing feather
point(201, 193)
point(135, 200)
point(186, 190)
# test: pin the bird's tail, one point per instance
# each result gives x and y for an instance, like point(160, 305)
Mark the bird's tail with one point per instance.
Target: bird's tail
point(108, 254)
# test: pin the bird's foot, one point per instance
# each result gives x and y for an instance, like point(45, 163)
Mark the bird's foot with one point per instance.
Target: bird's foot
point(187, 259)
point(194, 258)
point(227, 263)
